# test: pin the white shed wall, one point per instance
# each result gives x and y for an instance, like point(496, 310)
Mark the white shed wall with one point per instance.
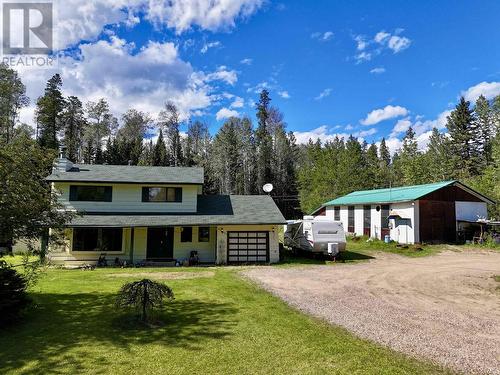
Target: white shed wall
point(399, 231)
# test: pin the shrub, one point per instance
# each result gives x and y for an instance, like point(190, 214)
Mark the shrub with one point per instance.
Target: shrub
point(13, 296)
point(144, 295)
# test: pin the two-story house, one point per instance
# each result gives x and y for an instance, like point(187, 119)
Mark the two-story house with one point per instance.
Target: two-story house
point(138, 213)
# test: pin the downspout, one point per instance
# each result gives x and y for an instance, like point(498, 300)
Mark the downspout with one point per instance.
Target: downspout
point(132, 231)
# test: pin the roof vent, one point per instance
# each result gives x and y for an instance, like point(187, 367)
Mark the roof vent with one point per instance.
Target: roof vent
point(62, 164)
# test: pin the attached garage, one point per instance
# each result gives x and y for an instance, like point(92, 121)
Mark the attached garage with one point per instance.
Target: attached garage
point(248, 247)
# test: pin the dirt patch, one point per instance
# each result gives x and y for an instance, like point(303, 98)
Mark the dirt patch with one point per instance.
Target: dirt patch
point(445, 308)
point(166, 275)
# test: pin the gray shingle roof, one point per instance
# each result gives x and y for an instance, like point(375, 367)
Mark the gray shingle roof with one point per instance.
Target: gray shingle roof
point(212, 210)
point(129, 174)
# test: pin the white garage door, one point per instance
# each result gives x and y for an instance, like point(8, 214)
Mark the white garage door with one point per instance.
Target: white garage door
point(248, 247)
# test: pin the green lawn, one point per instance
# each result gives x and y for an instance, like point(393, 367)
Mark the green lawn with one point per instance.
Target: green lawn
point(218, 324)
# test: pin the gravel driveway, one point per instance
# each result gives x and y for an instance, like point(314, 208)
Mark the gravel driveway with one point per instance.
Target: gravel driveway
point(445, 308)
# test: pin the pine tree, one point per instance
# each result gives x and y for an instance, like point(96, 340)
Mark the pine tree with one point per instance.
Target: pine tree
point(385, 168)
point(438, 158)
point(263, 142)
point(12, 99)
point(159, 156)
point(484, 125)
point(410, 160)
point(464, 140)
point(169, 121)
point(247, 157)
point(74, 123)
point(226, 163)
point(100, 124)
point(49, 108)
point(373, 167)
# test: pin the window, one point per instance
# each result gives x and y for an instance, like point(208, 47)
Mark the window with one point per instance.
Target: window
point(367, 216)
point(161, 194)
point(336, 213)
point(97, 239)
point(187, 234)
point(203, 234)
point(350, 219)
point(88, 193)
point(385, 216)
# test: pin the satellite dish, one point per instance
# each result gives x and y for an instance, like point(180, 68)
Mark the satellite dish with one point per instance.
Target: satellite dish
point(267, 188)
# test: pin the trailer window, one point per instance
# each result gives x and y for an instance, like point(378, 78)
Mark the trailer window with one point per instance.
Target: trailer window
point(336, 213)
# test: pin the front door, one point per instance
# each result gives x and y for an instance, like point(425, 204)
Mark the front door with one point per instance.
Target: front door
point(160, 243)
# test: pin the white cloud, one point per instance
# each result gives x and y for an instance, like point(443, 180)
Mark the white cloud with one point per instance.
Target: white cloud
point(382, 41)
point(223, 74)
point(398, 43)
point(488, 89)
point(83, 20)
point(401, 126)
point(323, 36)
point(209, 45)
point(393, 144)
point(325, 134)
point(237, 102)
point(378, 70)
point(363, 56)
point(284, 94)
point(361, 43)
point(420, 127)
point(388, 112)
point(365, 133)
point(143, 80)
point(224, 113)
point(323, 94)
point(381, 37)
point(349, 127)
point(213, 15)
point(246, 61)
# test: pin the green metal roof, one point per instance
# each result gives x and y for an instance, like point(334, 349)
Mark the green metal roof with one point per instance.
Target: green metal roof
point(395, 194)
point(128, 174)
point(212, 210)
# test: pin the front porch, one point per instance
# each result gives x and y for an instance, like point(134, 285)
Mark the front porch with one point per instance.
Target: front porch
point(166, 245)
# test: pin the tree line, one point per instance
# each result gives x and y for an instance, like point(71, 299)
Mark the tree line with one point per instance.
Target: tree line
point(469, 151)
point(241, 157)
point(238, 159)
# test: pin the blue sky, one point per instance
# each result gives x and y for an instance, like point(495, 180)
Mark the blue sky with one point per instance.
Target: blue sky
point(332, 67)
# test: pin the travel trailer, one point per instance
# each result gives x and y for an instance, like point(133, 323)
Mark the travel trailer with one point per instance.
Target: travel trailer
point(318, 235)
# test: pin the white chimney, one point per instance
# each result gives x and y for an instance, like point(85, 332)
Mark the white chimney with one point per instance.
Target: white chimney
point(62, 164)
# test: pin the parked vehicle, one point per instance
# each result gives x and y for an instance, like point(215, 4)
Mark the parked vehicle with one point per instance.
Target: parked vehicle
point(318, 235)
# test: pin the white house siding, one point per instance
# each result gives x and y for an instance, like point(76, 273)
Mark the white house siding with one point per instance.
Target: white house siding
point(128, 198)
point(400, 232)
point(471, 211)
point(376, 222)
point(343, 217)
point(206, 250)
point(274, 255)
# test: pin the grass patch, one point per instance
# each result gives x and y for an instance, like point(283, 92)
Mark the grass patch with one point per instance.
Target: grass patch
point(364, 245)
point(216, 325)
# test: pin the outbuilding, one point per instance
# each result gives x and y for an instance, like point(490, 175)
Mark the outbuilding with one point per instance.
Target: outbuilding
point(430, 213)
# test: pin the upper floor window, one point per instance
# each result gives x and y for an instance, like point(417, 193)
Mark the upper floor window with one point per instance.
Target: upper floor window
point(90, 193)
point(162, 194)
